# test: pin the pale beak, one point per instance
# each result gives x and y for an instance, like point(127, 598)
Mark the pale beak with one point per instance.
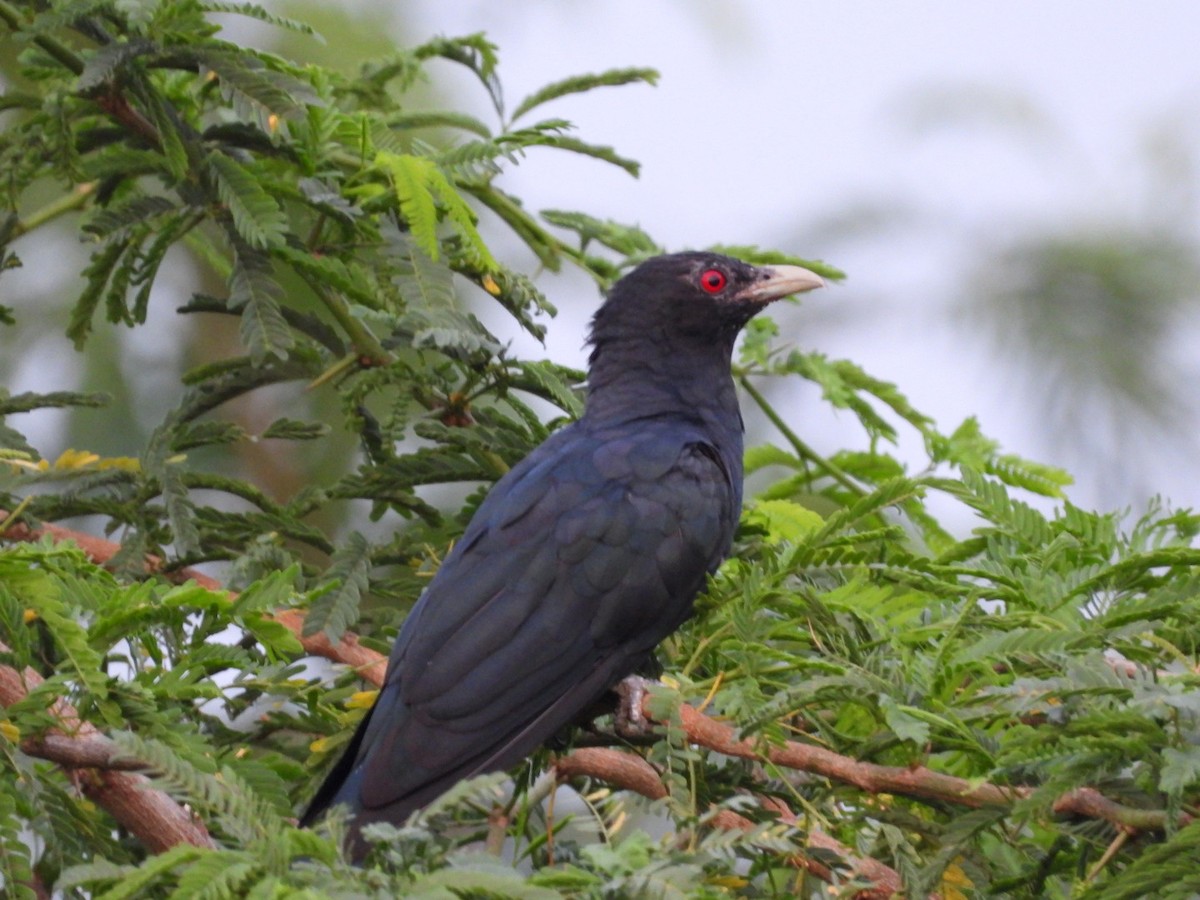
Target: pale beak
point(773, 282)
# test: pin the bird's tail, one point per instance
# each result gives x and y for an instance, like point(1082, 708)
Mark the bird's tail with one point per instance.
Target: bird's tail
point(342, 783)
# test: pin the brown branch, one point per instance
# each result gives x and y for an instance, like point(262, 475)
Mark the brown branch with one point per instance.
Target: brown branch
point(80, 752)
point(371, 666)
point(629, 772)
point(149, 814)
point(918, 782)
point(114, 103)
point(626, 771)
point(1089, 803)
point(915, 781)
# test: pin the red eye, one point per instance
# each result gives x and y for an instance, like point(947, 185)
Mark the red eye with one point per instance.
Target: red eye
point(713, 281)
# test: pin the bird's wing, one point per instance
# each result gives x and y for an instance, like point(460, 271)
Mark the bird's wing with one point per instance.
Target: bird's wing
point(571, 572)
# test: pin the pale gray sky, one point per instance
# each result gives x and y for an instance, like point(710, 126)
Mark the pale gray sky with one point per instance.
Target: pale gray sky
point(773, 115)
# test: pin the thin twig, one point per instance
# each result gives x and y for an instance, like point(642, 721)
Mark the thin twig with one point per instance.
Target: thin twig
point(1112, 850)
point(802, 449)
point(77, 199)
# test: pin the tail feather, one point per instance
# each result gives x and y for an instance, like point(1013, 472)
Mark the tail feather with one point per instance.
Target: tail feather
point(342, 783)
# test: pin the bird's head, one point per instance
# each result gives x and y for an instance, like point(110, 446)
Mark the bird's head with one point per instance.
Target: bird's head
point(692, 299)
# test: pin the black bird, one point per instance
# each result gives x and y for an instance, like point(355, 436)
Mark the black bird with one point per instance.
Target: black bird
point(582, 557)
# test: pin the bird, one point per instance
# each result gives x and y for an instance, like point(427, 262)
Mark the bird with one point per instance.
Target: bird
point(582, 558)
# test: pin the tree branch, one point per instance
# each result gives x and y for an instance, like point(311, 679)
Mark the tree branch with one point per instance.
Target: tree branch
point(630, 772)
point(149, 814)
point(371, 666)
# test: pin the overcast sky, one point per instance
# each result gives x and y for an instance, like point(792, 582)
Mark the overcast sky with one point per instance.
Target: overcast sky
point(772, 116)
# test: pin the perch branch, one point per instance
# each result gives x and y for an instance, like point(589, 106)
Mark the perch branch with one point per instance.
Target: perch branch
point(917, 782)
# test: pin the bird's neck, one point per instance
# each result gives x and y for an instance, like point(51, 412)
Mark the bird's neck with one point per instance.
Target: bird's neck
point(641, 379)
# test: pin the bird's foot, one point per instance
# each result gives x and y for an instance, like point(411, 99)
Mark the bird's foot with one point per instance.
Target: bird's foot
point(630, 721)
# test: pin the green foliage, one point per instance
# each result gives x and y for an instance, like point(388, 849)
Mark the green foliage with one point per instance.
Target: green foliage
point(1043, 651)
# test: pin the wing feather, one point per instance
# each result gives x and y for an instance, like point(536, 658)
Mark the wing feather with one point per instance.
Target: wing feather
point(575, 566)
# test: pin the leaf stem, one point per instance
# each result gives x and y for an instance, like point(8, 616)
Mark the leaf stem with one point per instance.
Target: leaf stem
point(365, 343)
point(802, 449)
point(72, 201)
point(1113, 848)
point(11, 17)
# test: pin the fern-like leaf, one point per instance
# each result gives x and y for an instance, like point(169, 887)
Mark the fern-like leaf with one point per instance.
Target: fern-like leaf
point(104, 63)
point(256, 216)
point(628, 240)
point(257, 92)
point(410, 177)
point(254, 11)
point(337, 609)
point(98, 274)
point(579, 83)
point(253, 290)
point(15, 864)
point(475, 52)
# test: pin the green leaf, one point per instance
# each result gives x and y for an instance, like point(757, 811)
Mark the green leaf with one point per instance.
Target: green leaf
point(423, 283)
point(768, 455)
point(580, 83)
point(757, 339)
point(902, 722)
point(254, 11)
point(410, 176)
point(1180, 770)
point(420, 186)
point(256, 91)
point(29, 401)
point(171, 139)
point(337, 609)
point(15, 863)
point(253, 291)
point(135, 211)
point(475, 52)
point(628, 240)
point(293, 430)
point(541, 242)
point(784, 520)
point(222, 873)
point(757, 256)
point(169, 232)
point(467, 883)
point(555, 383)
point(439, 118)
point(583, 148)
point(256, 216)
point(345, 276)
point(104, 63)
point(97, 273)
point(181, 512)
point(459, 213)
point(43, 595)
